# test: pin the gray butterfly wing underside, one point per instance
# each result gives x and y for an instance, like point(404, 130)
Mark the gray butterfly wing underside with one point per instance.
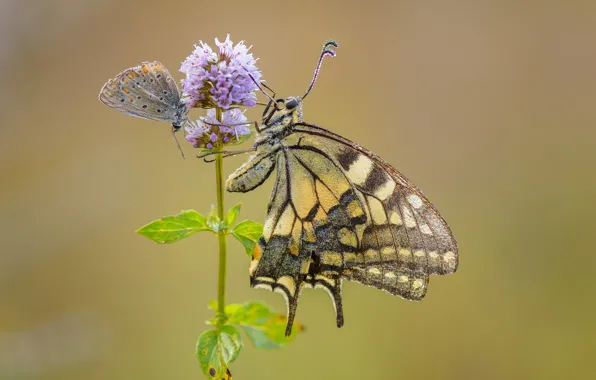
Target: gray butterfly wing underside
point(147, 91)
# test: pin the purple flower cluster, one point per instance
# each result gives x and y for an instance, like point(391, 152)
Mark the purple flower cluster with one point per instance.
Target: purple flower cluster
point(209, 133)
point(220, 79)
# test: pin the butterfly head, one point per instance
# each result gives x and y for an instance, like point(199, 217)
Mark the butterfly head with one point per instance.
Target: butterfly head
point(284, 111)
point(181, 117)
point(278, 117)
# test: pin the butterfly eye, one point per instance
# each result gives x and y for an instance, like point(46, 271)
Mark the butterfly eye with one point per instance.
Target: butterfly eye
point(291, 104)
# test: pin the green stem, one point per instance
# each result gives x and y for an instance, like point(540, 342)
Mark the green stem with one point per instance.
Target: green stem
point(221, 236)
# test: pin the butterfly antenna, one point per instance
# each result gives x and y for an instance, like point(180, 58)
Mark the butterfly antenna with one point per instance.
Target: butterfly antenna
point(261, 88)
point(327, 51)
point(268, 88)
point(174, 129)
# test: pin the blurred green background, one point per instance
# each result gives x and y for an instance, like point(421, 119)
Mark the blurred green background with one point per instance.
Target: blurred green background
point(489, 107)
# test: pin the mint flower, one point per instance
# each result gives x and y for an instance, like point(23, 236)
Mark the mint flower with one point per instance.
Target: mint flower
point(209, 133)
point(220, 79)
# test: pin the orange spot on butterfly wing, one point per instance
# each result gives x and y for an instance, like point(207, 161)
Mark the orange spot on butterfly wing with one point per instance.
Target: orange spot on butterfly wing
point(257, 252)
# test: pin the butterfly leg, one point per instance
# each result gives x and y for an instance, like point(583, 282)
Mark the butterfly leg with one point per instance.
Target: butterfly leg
point(224, 153)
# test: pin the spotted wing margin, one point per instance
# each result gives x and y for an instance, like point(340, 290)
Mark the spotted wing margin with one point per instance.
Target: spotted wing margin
point(404, 238)
point(147, 91)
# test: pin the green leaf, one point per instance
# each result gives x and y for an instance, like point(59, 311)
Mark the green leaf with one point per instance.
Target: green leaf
point(265, 328)
point(248, 233)
point(216, 349)
point(250, 229)
point(171, 229)
point(232, 215)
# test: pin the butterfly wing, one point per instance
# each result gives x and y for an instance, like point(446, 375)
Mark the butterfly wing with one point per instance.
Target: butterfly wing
point(404, 238)
point(339, 212)
point(147, 91)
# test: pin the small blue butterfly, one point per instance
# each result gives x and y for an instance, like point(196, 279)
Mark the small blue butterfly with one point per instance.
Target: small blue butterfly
point(147, 91)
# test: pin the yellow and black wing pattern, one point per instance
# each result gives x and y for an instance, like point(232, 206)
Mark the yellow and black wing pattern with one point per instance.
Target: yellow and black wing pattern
point(338, 212)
